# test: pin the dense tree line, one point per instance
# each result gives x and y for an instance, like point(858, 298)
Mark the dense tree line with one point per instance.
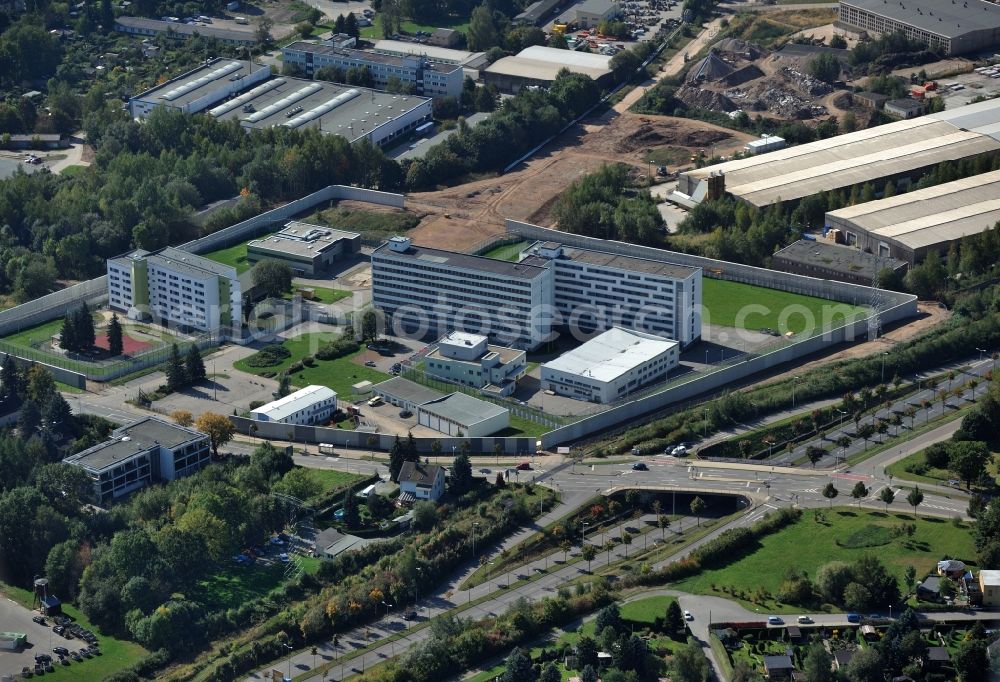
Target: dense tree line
point(598, 205)
point(888, 51)
point(149, 178)
point(519, 124)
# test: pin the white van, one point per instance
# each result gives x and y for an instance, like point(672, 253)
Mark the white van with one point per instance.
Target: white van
point(241, 20)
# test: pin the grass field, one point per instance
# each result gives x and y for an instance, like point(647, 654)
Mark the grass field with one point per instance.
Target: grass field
point(340, 374)
point(325, 295)
point(646, 610)
point(808, 544)
point(374, 32)
point(117, 654)
point(729, 304)
point(519, 426)
point(236, 256)
point(370, 224)
point(931, 475)
point(508, 252)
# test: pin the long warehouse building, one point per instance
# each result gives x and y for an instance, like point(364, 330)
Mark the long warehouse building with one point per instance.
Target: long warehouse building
point(909, 226)
point(902, 151)
point(956, 27)
point(230, 89)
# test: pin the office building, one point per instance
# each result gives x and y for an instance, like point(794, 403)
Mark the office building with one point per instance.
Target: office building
point(435, 54)
point(310, 405)
point(307, 249)
point(463, 416)
point(469, 359)
point(909, 226)
point(594, 291)
point(141, 26)
point(590, 13)
point(145, 452)
point(611, 365)
point(430, 292)
point(951, 26)
point(900, 151)
point(429, 78)
point(174, 287)
point(539, 66)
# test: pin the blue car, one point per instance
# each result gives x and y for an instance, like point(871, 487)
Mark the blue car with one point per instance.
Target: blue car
point(853, 618)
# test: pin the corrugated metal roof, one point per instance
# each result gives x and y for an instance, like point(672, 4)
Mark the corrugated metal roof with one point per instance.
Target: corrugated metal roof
point(936, 16)
point(304, 397)
point(611, 354)
point(933, 215)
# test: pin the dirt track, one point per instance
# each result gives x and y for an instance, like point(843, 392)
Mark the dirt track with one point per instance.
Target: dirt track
point(461, 217)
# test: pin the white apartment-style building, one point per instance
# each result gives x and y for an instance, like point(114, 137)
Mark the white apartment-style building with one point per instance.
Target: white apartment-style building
point(428, 78)
point(174, 287)
point(594, 290)
point(469, 359)
point(139, 454)
point(425, 292)
point(610, 366)
point(309, 405)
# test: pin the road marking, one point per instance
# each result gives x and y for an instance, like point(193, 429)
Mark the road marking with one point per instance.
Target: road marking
point(852, 477)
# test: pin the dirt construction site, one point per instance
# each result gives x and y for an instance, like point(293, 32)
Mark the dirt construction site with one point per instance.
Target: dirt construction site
point(463, 216)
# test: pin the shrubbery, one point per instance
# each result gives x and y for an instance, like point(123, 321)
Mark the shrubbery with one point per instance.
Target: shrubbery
point(269, 356)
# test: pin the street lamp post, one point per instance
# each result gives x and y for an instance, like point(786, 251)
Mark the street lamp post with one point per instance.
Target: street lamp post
point(290, 649)
point(982, 352)
point(583, 534)
point(475, 525)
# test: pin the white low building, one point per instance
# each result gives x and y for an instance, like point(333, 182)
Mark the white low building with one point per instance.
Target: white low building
point(309, 405)
point(470, 360)
point(610, 366)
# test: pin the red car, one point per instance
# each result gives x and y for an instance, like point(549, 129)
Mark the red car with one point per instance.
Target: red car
point(524, 466)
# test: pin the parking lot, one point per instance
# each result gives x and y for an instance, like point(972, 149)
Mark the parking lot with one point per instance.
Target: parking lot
point(959, 90)
point(41, 641)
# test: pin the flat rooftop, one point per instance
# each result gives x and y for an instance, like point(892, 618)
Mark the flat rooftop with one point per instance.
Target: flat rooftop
point(195, 84)
point(932, 215)
point(128, 441)
point(845, 259)
point(408, 61)
point(936, 16)
point(282, 408)
point(348, 111)
point(862, 156)
point(611, 260)
point(433, 53)
point(452, 259)
point(506, 354)
point(188, 262)
point(463, 409)
point(233, 34)
point(611, 354)
point(408, 391)
point(544, 63)
point(302, 239)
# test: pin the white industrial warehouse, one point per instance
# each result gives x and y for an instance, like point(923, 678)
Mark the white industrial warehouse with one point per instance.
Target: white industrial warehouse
point(310, 405)
point(237, 90)
point(897, 150)
point(908, 226)
point(611, 365)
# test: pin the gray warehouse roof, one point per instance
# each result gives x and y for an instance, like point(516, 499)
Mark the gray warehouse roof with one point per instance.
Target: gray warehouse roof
point(463, 409)
point(348, 111)
point(180, 29)
point(837, 257)
point(407, 391)
point(861, 156)
point(933, 215)
point(196, 83)
point(948, 19)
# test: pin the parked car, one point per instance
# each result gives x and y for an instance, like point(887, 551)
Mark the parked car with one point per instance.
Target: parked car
point(679, 451)
point(524, 466)
point(484, 471)
point(42, 658)
point(369, 363)
point(39, 619)
point(774, 620)
point(283, 558)
point(805, 619)
point(374, 402)
point(640, 466)
point(687, 615)
point(405, 414)
point(61, 650)
point(410, 615)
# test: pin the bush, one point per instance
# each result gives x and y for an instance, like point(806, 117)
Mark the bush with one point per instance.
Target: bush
point(338, 348)
point(269, 356)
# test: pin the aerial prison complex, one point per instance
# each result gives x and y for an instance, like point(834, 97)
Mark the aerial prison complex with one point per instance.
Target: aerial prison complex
point(431, 292)
point(237, 90)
